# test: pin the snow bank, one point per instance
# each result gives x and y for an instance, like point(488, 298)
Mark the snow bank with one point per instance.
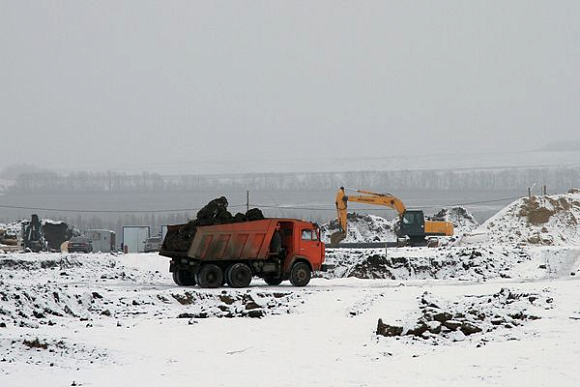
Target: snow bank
point(464, 263)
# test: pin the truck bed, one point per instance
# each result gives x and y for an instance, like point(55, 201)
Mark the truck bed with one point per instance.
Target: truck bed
point(233, 241)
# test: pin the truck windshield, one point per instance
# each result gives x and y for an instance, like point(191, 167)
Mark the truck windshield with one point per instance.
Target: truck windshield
point(309, 235)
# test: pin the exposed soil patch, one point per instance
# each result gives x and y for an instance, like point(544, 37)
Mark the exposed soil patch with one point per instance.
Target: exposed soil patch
point(535, 213)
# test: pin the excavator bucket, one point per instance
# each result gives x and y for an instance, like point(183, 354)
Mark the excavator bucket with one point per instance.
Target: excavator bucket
point(336, 237)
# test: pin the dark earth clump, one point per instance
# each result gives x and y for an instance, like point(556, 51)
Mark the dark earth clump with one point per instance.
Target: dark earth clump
point(35, 344)
point(231, 305)
point(373, 267)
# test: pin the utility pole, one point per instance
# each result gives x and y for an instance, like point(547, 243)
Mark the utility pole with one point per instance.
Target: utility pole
point(247, 200)
point(530, 191)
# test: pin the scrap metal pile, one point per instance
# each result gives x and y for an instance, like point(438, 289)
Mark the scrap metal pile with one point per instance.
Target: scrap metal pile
point(215, 212)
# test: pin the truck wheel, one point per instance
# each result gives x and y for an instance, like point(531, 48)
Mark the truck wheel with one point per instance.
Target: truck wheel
point(210, 276)
point(273, 280)
point(183, 278)
point(176, 278)
point(239, 275)
point(300, 274)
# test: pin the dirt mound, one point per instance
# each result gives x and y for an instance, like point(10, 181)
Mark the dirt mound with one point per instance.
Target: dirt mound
point(361, 229)
point(540, 220)
point(215, 212)
point(472, 315)
point(463, 221)
point(375, 266)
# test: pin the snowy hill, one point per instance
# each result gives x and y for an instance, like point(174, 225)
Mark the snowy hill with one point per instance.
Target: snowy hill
point(541, 220)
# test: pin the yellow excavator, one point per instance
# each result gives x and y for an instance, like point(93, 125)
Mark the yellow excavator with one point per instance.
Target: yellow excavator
point(412, 223)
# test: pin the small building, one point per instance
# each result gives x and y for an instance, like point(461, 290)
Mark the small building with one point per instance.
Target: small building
point(102, 240)
point(134, 238)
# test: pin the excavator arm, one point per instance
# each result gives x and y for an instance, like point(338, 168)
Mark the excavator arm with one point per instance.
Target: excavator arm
point(368, 197)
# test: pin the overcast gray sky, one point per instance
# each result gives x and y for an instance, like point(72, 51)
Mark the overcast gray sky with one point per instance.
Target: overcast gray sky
point(139, 83)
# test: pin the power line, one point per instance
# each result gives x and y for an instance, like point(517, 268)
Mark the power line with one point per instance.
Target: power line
point(105, 211)
point(297, 207)
point(470, 203)
point(280, 207)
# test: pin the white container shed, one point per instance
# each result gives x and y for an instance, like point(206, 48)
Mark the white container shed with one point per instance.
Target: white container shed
point(102, 240)
point(134, 238)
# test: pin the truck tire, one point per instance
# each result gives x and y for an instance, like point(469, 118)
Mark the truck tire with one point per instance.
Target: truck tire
point(239, 275)
point(177, 278)
point(273, 280)
point(210, 276)
point(183, 277)
point(300, 274)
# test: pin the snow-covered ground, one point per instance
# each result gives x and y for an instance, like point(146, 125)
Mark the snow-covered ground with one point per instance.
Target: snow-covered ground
point(496, 306)
point(105, 320)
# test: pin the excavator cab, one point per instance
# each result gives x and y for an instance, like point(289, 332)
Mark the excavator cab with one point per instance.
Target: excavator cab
point(412, 224)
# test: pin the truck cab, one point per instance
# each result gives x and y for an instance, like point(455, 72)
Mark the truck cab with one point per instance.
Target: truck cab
point(302, 242)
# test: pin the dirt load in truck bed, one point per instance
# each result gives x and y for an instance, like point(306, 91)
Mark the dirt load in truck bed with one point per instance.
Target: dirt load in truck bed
point(215, 212)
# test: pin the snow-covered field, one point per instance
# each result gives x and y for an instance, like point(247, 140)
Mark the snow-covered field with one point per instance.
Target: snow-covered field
point(105, 320)
point(497, 305)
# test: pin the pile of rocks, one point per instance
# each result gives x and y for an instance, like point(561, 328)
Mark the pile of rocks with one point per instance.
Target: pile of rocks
point(469, 316)
point(215, 212)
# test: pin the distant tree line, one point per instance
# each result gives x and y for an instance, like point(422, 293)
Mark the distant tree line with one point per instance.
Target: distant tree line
point(556, 178)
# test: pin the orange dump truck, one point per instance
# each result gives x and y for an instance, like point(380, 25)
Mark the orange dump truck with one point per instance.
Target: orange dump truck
point(273, 249)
